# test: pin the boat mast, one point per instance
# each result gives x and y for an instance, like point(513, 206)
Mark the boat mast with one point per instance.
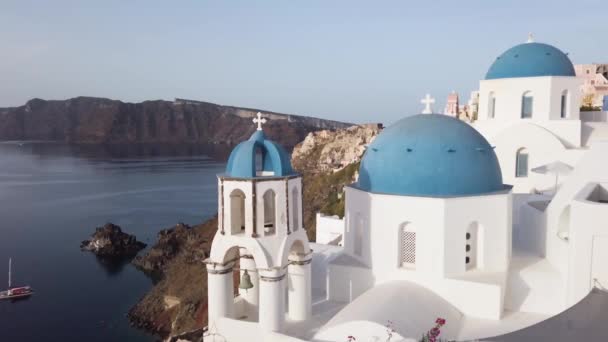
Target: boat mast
point(9, 272)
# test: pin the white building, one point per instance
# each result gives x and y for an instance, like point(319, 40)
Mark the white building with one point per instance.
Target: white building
point(446, 220)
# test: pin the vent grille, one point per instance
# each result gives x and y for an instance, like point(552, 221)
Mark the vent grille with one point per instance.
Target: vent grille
point(408, 248)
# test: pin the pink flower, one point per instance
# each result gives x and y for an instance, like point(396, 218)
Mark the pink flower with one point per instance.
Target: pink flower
point(435, 332)
point(440, 321)
point(351, 338)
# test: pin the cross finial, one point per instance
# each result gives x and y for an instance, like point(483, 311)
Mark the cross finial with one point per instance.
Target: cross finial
point(427, 101)
point(530, 38)
point(259, 120)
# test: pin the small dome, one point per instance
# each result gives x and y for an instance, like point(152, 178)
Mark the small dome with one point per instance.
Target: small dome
point(430, 155)
point(273, 159)
point(531, 60)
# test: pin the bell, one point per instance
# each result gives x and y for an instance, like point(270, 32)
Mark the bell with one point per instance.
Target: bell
point(245, 281)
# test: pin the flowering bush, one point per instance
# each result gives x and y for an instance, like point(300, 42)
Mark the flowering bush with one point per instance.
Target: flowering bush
point(431, 335)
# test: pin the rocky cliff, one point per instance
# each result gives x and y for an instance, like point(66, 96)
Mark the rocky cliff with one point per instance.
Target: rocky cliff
point(329, 160)
point(88, 120)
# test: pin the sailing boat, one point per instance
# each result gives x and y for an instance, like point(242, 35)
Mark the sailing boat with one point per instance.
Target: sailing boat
point(15, 292)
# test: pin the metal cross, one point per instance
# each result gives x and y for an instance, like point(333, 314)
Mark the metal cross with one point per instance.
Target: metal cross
point(259, 120)
point(427, 101)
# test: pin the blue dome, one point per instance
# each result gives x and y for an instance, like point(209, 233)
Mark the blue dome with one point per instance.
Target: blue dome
point(430, 155)
point(275, 161)
point(530, 60)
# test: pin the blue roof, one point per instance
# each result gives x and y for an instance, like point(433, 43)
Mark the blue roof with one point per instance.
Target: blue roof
point(430, 155)
point(242, 160)
point(531, 60)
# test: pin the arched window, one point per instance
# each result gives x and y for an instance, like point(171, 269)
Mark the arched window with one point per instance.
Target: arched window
point(259, 161)
point(521, 163)
point(237, 212)
point(564, 105)
point(295, 199)
point(407, 246)
point(491, 105)
point(527, 104)
point(269, 212)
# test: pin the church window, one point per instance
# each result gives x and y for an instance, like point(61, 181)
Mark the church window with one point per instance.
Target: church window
point(564, 104)
point(237, 212)
point(269, 212)
point(527, 103)
point(407, 246)
point(491, 106)
point(521, 163)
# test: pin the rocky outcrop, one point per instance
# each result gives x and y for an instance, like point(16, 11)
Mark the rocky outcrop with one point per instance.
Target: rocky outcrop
point(332, 150)
point(88, 120)
point(178, 302)
point(110, 241)
point(329, 160)
point(170, 242)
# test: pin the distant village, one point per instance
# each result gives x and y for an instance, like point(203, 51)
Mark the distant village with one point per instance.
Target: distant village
point(594, 93)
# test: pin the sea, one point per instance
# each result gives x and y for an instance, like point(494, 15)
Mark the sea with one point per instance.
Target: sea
point(53, 196)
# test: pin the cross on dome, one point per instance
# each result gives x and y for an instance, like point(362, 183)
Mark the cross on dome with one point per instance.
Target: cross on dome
point(530, 38)
point(427, 101)
point(259, 121)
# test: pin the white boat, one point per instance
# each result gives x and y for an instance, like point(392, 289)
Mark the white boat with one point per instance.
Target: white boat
point(15, 292)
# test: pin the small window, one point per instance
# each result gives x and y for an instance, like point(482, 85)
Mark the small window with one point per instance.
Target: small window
point(564, 105)
point(521, 163)
point(491, 106)
point(527, 103)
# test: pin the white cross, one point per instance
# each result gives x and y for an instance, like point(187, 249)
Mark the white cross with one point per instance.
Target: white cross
point(530, 38)
point(427, 101)
point(259, 120)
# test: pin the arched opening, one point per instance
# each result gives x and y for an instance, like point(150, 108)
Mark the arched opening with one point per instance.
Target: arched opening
point(563, 227)
point(246, 283)
point(259, 161)
point(473, 246)
point(527, 104)
point(407, 246)
point(237, 212)
point(295, 203)
point(521, 163)
point(564, 105)
point(269, 212)
point(298, 289)
point(491, 105)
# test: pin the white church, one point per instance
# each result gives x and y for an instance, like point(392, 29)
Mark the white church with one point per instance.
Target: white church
point(493, 226)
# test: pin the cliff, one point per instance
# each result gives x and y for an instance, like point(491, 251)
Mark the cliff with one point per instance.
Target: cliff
point(329, 160)
point(88, 120)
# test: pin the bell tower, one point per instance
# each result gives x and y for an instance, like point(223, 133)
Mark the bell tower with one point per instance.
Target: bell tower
point(260, 235)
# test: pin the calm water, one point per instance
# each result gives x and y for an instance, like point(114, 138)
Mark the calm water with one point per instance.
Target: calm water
point(51, 198)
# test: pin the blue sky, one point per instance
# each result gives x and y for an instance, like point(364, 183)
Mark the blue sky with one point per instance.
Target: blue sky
point(358, 61)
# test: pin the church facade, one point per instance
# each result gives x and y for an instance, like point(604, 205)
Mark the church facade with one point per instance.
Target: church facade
point(493, 226)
